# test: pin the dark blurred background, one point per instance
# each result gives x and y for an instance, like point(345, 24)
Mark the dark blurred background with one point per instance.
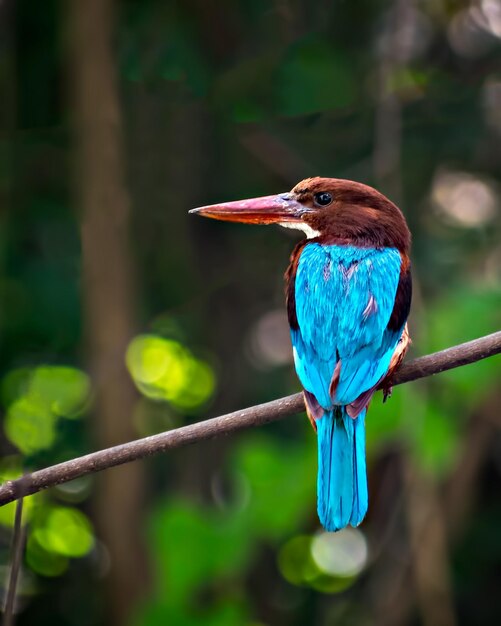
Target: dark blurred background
point(122, 316)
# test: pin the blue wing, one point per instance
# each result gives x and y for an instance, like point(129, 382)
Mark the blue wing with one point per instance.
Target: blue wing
point(344, 298)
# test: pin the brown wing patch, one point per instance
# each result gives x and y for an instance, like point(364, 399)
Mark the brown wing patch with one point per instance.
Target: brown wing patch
point(355, 408)
point(313, 408)
point(362, 402)
point(396, 361)
point(335, 380)
point(290, 284)
point(403, 297)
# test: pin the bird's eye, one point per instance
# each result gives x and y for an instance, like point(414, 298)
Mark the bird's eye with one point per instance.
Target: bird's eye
point(323, 198)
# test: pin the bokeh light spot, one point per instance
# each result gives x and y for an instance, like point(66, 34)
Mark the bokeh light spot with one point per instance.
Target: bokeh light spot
point(343, 553)
point(30, 426)
point(149, 358)
point(15, 384)
point(470, 31)
point(294, 560)
point(199, 386)
point(487, 14)
point(43, 562)
point(164, 369)
point(466, 200)
point(36, 398)
point(269, 341)
point(65, 390)
point(66, 531)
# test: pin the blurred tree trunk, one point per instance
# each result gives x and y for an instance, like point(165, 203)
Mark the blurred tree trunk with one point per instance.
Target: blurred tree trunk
point(8, 89)
point(107, 290)
point(427, 554)
point(429, 547)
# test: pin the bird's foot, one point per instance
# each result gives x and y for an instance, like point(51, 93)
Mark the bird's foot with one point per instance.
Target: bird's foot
point(387, 391)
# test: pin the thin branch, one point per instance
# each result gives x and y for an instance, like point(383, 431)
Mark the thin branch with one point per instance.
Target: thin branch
point(18, 538)
point(422, 367)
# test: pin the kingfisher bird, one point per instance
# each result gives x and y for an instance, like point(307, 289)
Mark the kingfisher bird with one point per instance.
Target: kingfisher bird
point(348, 296)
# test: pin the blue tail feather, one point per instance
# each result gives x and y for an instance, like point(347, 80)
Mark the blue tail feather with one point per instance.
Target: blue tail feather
point(342, 475)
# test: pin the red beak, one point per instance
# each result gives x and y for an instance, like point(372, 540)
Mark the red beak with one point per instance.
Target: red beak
point(265, 210)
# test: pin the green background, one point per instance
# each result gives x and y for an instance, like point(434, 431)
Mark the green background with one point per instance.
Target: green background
point(205, 101)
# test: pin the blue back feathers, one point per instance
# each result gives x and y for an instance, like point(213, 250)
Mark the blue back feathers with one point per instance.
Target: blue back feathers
point(344, 297)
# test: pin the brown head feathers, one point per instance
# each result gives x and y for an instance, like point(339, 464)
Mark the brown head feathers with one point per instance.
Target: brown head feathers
point(344, 212)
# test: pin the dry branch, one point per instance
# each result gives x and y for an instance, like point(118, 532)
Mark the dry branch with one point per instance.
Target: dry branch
point(18, 539)
point(422, 367)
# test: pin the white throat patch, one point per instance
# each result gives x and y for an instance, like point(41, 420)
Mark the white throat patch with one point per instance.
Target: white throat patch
point(307, 230)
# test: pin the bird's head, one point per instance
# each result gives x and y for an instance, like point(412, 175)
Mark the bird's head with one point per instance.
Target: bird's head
point(328, 210)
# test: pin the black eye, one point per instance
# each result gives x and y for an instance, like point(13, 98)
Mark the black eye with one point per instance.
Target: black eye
point(323, 198)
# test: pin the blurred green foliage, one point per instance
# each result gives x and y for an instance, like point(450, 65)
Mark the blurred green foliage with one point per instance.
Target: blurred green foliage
point(36, 398)
point(164, 369)
point(220, 101)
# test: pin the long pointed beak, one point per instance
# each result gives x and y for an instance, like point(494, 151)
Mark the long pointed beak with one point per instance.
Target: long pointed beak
point(265, 210)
